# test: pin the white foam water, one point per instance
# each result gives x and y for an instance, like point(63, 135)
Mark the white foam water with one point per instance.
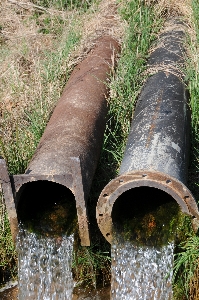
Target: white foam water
point(44, 267)
point(141, 272)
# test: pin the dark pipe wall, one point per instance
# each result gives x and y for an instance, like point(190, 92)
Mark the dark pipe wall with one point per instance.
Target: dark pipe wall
point(159, 134)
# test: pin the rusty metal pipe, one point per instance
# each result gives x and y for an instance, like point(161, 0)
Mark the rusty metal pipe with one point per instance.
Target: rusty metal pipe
point(157, 149)
point(70, 146)
point(9, 199)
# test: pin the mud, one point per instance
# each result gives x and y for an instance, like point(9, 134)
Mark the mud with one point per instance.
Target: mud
point(79, 294)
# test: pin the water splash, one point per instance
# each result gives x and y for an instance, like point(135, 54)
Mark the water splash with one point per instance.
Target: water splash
point(141, 272)
point(44, 266)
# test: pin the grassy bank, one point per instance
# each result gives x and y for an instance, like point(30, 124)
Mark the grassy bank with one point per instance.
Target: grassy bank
point(186, 284)
point(40, 45)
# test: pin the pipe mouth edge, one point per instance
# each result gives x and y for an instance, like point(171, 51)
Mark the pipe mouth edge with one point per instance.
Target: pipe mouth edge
point(142, 178)
point(67, 181)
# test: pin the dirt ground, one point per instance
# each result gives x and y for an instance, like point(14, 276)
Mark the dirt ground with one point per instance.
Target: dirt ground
point(9, 294)
point(100, 294)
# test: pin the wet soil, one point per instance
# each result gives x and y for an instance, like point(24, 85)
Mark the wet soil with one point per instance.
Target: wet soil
point(9, 294)
point(79, 294)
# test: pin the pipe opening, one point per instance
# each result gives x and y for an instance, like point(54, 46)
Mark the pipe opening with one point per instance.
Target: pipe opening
point(47, 208)
point(146, 216)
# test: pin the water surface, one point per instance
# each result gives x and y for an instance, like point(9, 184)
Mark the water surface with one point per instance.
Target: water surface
point(44, 266)
point(141, 272)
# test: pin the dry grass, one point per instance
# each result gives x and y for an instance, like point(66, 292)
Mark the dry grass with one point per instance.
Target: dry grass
point(21, 56)
point(29, 38)
point(180, 8)
point(103, 21)
point(24, 44)
point(174, 8)
point(194, 286)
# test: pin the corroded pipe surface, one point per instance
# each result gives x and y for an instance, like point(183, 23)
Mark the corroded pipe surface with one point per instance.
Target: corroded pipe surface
point(157, 149)
point(9, 199)
point(70, 146)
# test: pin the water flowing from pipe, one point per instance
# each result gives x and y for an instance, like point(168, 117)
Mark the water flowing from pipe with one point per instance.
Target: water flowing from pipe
point(44, 266)
point(143, 248)
point(141, 272)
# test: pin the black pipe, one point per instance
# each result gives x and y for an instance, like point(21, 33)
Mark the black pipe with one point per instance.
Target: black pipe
point(157, 149)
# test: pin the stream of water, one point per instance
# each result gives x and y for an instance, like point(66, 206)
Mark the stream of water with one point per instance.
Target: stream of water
point(143, 245)
point(44, 267)
point(141, 272)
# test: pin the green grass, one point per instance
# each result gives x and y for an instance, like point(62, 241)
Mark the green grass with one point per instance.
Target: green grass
point(91, 267)
point(192, 74)
point(187, 250)
point(185, 265)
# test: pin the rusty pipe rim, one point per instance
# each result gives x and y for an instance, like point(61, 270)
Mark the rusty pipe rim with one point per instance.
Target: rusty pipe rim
point(143, 178)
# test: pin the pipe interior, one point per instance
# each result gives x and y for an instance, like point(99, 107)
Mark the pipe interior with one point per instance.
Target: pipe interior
point(47, 207)
point(144, 213)
point(138, 201)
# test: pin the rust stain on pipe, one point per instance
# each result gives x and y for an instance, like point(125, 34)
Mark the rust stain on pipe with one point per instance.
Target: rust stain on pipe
point(70, 146)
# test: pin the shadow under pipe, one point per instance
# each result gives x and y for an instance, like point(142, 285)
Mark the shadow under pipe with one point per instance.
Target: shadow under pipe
point(155, 162)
